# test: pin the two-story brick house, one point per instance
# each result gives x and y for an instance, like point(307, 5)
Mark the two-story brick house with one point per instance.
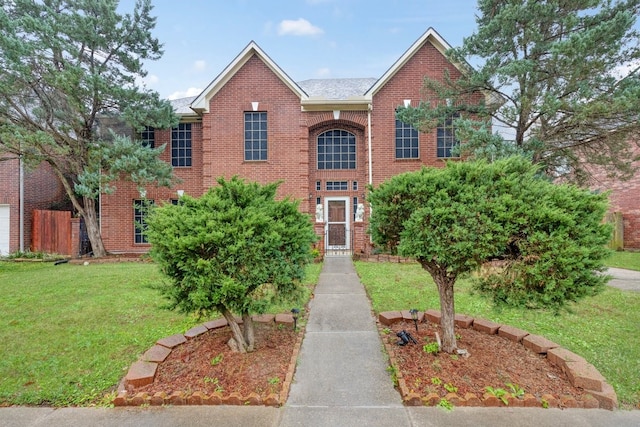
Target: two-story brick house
point(324, 139)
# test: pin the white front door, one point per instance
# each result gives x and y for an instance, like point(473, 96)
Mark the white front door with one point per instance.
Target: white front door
point(337, 225)
point(4, 229)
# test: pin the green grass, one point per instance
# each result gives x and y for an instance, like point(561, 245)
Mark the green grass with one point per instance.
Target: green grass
point(603, 329)
point(628, 260)
point(70, 332)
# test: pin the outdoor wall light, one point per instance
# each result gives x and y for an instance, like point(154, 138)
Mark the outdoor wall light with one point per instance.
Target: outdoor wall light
point(180, 193)
point(295, 313)
point(414, 317)
point(407, 102)
point(143, 193)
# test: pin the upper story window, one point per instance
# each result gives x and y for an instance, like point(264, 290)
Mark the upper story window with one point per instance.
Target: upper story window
point(406, 141)
point(255, 135)
point(446, 139)
point(148, 137)
point(336, 150)
point(181, 145)
point(140, 212)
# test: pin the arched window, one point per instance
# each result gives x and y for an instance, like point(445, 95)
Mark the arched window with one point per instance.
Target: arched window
point(336, 150)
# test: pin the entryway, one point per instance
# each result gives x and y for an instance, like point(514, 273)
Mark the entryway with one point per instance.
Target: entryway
point(337, 232)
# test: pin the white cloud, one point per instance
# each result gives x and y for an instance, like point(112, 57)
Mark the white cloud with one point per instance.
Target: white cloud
point(199, 65)
point(192, 91)
point(300, 27)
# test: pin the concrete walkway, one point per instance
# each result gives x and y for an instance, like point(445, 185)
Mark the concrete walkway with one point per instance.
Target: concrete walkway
point(627, 280)
point(340, 380)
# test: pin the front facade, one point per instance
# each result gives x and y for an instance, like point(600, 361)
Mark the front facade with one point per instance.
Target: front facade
point(325, 140)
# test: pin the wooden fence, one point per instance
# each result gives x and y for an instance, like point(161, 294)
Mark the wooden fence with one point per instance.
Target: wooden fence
point(51, 232)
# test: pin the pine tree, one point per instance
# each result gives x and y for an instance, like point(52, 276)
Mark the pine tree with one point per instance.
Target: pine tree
point(65, 65)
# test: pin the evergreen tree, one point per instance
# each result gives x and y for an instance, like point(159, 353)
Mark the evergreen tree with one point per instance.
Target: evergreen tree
point(233, 250)
point(560, 78)
point(453, 220)
point(65, 65)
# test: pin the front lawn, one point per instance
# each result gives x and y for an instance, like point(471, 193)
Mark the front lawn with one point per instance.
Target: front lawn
point(603, 329)
point(70, 332)
point(628, 260)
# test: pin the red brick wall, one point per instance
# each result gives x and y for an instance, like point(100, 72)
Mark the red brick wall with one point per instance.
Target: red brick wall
point(42, 190)
point(624, 198)
point(406, 84)
point(292, 157)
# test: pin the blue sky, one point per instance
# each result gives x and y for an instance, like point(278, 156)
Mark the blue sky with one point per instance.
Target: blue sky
point(306, 38)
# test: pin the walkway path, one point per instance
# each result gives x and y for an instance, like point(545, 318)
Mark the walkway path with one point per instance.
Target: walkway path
point(340, 380)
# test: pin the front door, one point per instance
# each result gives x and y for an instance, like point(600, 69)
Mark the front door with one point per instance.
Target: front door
point(336, 228)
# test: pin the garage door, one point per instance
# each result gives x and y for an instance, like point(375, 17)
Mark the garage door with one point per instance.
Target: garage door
point(4, 229)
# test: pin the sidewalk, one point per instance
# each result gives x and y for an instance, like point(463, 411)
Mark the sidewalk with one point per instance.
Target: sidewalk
point(340, 380)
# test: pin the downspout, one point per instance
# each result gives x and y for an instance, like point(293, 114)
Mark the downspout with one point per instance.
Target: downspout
point(369, 142)
point(21, 196)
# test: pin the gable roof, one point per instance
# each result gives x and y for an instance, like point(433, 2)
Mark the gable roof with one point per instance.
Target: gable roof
point(201, 102)
point(430, 36)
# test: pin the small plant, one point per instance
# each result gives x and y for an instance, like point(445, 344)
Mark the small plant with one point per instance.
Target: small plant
point(436, 365)
point(215, 381)
point(450, 388)
point(445, 404)
point(516, 390)
point(431, 348)
point(273, 381)
point(386, 331)
point(216, 360)
point(545, 404)
point(454, 356)
point(436, 381)
point(393, 371)
point(500, 393)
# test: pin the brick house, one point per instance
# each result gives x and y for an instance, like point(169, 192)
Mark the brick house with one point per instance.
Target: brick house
point(324, 139)
point(41, 190)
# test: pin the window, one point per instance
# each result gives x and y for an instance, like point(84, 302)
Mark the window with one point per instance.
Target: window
point(181, 145)
point(318, 186)
point(148, 137)
point(406, 141)
point(446, 139)
point(337, 185)
point(140, 211)
point(336, 150)
point(255, 136)
point(355, 208)
point(355, 185)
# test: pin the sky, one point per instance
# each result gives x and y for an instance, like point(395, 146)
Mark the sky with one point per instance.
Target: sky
point(308, 39)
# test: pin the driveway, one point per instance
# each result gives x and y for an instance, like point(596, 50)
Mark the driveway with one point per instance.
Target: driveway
point(628, 280)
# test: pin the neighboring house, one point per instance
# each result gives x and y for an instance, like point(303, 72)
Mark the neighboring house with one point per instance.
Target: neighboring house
point(624, 198)
point(41, 190)
point(325, 139)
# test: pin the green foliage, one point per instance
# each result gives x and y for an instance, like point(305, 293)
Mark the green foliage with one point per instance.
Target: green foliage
point(516, 390)
point(393, 371)
point(234, 248)
point(70, 71)
point(436, 381)
point(628, 260)
point(445, 404)
point(551, 76)
point(431, 348)
point(455, 219)
point(217, 359)
point(500, 393)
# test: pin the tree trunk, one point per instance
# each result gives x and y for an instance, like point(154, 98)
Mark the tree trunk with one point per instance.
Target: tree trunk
point(249, 332)
point(235, 330)
point(91, 221)
point(447, 313)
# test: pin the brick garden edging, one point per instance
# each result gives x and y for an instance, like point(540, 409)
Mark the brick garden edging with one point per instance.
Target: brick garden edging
point(579, 372)
point(144, 370)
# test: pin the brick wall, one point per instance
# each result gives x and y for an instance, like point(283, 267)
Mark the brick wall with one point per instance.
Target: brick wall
point(42, 190)
point(624, 198)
